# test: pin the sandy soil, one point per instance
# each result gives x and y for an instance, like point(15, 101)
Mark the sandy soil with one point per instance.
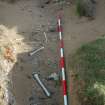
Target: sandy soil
point(24, 22)
point(78, 31)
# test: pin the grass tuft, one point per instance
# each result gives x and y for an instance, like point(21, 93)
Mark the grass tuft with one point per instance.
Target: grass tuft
point(80, 8)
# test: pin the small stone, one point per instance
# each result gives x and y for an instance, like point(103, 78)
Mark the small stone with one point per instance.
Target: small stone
point(28, 76)
point(42, 6)
point(47, 2)
point(53, 76)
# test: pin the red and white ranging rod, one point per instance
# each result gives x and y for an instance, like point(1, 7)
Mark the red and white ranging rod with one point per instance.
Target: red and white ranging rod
point(62, 62)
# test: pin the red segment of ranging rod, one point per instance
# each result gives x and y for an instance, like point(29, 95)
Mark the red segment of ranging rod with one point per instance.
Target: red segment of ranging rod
point(61, 44)
point(64, 87)
point(60, 29)
point(62, 63)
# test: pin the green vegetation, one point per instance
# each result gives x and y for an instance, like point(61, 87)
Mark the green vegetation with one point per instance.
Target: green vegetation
point(80, 8)
point(88, 65)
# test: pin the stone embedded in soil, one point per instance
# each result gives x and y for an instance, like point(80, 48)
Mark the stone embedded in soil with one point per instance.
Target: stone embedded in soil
point(52, 29)
point(53, 76)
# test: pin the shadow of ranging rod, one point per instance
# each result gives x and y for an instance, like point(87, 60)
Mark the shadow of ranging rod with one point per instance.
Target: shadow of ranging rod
point(35, 51)
point(36, 77)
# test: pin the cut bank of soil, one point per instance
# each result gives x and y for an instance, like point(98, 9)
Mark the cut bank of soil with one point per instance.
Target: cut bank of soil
point(78, 31)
